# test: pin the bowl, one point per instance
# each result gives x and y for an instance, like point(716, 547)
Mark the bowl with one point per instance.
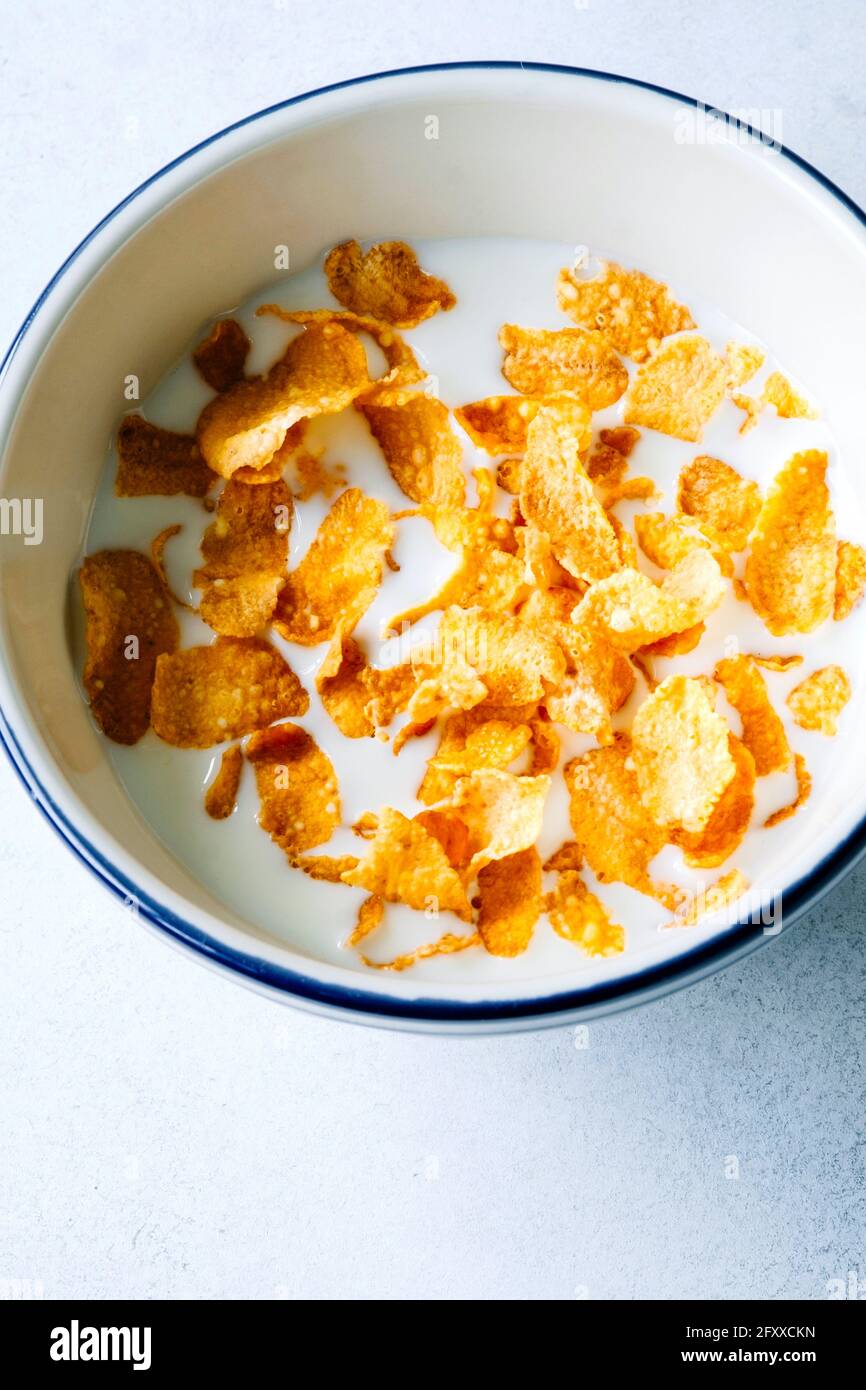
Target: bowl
point(465, 149)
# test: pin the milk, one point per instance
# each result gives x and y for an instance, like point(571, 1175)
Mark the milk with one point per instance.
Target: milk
point(495, 281)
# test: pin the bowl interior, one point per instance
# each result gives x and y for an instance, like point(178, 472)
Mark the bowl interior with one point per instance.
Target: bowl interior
point(439, 153)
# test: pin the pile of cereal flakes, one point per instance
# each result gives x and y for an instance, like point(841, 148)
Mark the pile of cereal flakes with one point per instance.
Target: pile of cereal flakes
point(544, 621)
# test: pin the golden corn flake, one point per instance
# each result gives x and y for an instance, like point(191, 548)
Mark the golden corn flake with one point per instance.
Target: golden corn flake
point(446, 945)
point(502, 812)
point(776, 663)
point(406, 864)
point(598, 682)
point(404, 368)
point(680, 753)
point(490, 657)
point(152, 462)
point(445, 825)
point(473, 739)
point(297, 786)
point(742, 361)
point(361, 698)
point(725, 890)
point(509, 892)
point(763, 732)
point(629, 490)
point(678, 389)
point(778, 392)
point(666, 540)
point(579, 916)
point(385, 281)
point(791, 568)
point(208, 695)
point(245, 550)
point(543, 362)
point(804, 791)
point(632, 610)
point(221, 356)
point(371, 914)
point(568, 856)
point(130, 624)
point(718, 497)
point(157, 555)
point(221, 796)
point(421, 450)
point(313, 475)
point(557, 496)
point(629, 309)
point(338, 578)
point(509, 474)
point(850, 578)
point(678, 644)
point(729, 821)
point(325, 868)
point(321, 372)
point(499, 424)
point(817, 702)
point(546, 746)
point(609, 458)
point(612, 827)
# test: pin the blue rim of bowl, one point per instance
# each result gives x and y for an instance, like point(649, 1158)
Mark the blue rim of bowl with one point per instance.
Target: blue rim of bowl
point(640, 987)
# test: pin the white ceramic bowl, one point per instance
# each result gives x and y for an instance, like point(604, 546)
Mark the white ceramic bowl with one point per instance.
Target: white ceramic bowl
point(522, 150)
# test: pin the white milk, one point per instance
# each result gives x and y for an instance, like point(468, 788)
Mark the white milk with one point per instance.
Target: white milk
point(495, 281)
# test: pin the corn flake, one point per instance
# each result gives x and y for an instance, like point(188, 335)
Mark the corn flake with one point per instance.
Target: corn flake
point(629, 309)
point(678, 389)
point(543, 362)
point(421, 450)
point(407, 864)
point(804, 791)
point(245, 550)
point(361, 698)
point(612, 827)
point(129, 625)
point(221, 796)
point(725, 890)
point(817, 702)
point(558, 498)
point(763, 731)
point(297, 786)
point(579, 916)
point(208, 695)
point(666, 540)
point(719, 498)
point(488, 657)
point(499, 424)
point(153, 462)
point(791, 568)
point(221, 356)
point(510, 896)
point(502, 812)
point(729, 821)
point(850, 578)
point(386, 281)
point(778, 392)
point(338, 578)
point(632, 610)
point(680, 753)
point(472, 739)
point(321, 372)
point(743, 361)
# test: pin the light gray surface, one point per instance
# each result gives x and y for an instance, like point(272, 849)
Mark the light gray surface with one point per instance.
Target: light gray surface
point(169, 1134)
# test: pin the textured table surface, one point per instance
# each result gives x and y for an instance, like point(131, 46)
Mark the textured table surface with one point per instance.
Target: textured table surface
point(169, 1134)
